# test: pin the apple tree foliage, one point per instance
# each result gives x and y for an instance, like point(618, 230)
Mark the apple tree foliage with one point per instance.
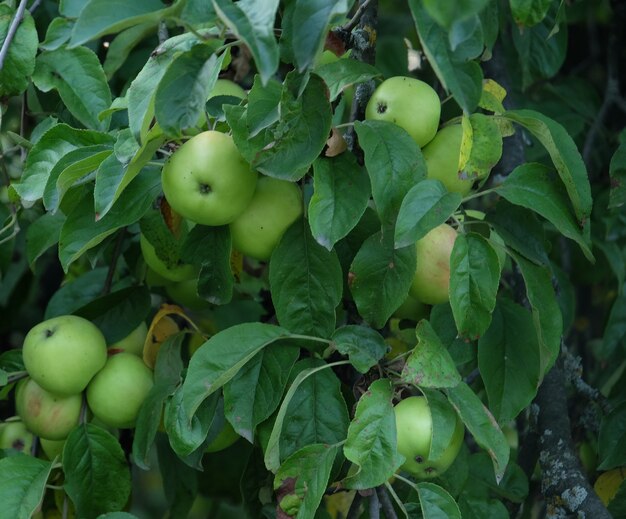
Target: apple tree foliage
point(96, 94)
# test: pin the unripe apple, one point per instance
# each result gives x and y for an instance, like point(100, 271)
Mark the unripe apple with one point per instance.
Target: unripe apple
point(15, 435)
point(431, 282)
point(414, 427)
point(63, 354)
point(409, 103)
point(412, 309)
point(276, 204)
point(442, 160)
point(226, 87)
point(52, 448)
point(180, 272)
point(116, 393)
point(207, 180)
point(45, 414)
point(225, 438)
point(185, 293)
point(133, 342)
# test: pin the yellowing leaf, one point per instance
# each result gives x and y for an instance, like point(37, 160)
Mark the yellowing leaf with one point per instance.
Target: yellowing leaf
point(607, 485)
point(466, 142)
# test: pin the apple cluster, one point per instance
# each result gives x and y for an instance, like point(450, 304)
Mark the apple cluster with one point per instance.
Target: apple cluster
point(72, 377)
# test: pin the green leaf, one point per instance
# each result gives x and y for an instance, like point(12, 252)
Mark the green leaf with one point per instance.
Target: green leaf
point(371, 441)
point(263, 105)
point(305, 282)
point(547, 316)
point(509, 361)
point(211, 248)
point(447, 13)
point(252, 21)
point(535, 187)
point(463, 79)
point(521, 230)
point(72, 167)
point(483, 426)
point(97, 477)
point(529, 12)
point(286, 149)
point(429, 364)
point(394, 163)
point(255, 391)
point(313, 411)
point(142, 90)
point(167, 376)
point(81, 231)
point(611, 441)
point(23, 484)
point(180, 481)
point(19, 62)
point(309, 25)
point(617, 172)
point(42, 234)
point(364, 346)
point(47, 151)
point(436, 502)
point(220, 358)
point(380, 277)
point(184, 88)
point(486, 148)
point(71, 8)
point(341, 192)
point(565, 156)
point(427, 205)
point(474, 280)
point(58, 32)
point(118, 515)
point(123, 44)
point(115, 173)
point(100, 17)
point(78, 77)
point(465, 38)
point(444, 419)
point(77, 293)
point(302, 479)
point(342, 73)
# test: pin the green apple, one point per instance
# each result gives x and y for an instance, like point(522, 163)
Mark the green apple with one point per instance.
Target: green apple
point(15, 435)
point(412, 309)
point(185, 293)
point(180, 272)
point(207, 180)
point(431, 282)
point(63, 354)
point(116, 393)
point(409, 103)
point(225, 438)
point(52, 448)
point(133, 342)
point(414, 428)
point(442, 160)
point(276, 204)
point(226, 87)
point(45, 414)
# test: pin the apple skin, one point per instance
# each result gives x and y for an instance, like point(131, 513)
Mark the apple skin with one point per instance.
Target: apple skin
point(226, 87)
point(181, 272)
point(185, 293)
point(45, 414)
point(15, 435)
point(207, 180)
point(133, 342)
point(442, 160)
point(63, 354)
point(276, 204)
point(431, 282)
point(116, 393)
point(409, 103)
point(414, 427)
point(412, 309)
point(225, 438)
point(52, 448)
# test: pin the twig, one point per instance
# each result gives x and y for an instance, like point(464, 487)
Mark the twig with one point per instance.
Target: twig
point(564, 485)
point(374, 504)
point(352, 23)
point(116, 254)
point(385, 503)
point(355, 507)
point(34, 7)
point(573, 372)
point(162, 32)
point(19, 14)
